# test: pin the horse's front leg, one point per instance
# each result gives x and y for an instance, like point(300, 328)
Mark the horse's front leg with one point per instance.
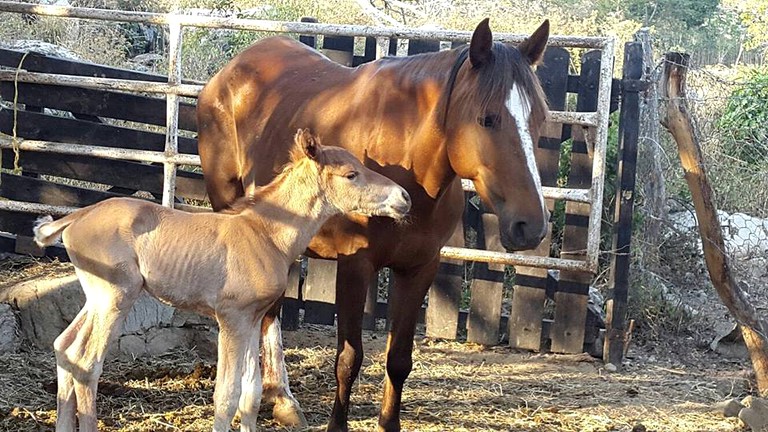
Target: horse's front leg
point(287, 410)
point(354, 275)
point(405, 301)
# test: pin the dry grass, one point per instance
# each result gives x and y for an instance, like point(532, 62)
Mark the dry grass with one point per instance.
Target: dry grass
point(453, 386)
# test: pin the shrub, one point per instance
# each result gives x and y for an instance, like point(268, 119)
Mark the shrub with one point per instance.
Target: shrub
point(745, 119)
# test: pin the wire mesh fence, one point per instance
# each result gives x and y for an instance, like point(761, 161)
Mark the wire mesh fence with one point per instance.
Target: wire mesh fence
point(728, 108)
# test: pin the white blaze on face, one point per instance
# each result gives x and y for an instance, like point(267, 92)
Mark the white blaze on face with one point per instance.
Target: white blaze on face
point(520, 108)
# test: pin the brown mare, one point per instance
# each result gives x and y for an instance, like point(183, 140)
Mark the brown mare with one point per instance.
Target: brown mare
point(233, 267)
point(424, 121)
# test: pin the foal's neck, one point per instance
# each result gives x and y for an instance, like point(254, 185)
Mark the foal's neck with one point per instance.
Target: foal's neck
point(291, 208)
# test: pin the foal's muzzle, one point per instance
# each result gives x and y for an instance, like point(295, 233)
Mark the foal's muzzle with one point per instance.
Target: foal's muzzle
point(397, 204)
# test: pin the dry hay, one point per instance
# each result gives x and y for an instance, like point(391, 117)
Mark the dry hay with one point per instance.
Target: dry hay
point(453, 386)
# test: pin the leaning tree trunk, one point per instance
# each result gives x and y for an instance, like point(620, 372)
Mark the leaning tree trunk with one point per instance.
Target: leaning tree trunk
point(679, 124)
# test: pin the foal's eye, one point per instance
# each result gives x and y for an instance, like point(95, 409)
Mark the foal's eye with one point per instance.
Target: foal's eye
point(351, 175)
point(490, 121)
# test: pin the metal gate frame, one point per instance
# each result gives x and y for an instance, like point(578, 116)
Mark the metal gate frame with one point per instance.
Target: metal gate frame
point(597, 121)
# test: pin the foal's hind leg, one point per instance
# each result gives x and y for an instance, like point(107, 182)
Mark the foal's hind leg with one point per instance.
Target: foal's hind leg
point(66, 404)
point(105, 309)
point(287, 410)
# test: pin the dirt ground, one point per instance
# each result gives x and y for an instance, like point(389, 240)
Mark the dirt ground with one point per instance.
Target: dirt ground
point(453, 387)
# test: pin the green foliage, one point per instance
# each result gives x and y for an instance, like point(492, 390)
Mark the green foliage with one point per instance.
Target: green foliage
point(746, 119)
point(692, 13)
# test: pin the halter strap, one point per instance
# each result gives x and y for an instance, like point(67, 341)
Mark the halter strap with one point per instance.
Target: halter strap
point(452, 81)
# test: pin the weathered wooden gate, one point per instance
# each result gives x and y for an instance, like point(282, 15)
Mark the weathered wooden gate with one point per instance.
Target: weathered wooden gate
point(89, 137)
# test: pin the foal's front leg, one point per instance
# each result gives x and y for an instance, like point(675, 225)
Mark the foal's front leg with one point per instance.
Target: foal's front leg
point(250, 399)
point(234, 329)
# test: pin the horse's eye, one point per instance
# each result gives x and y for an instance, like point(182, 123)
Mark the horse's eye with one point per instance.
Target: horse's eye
point(490, 121)
point(351, 175)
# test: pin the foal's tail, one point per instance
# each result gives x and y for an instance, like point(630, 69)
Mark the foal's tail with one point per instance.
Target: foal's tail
point(47, 231)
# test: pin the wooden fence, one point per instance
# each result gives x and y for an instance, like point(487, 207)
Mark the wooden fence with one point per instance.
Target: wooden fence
point(115, 119)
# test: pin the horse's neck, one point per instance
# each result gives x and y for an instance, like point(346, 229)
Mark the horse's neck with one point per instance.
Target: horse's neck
point(426, 77)
point(290, 210)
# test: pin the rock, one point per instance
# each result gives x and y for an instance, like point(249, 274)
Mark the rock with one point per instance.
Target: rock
point(730, 343)
point(130, 346)
point(9, 329)
point(610, 367)
point(728, 408)
point(47, 306)
point(41, 47)
point(755, 415)
point(163, 339)
point(147, 313)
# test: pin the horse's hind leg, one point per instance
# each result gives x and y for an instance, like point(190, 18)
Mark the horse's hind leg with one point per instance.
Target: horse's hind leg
point(218, 147)
point(287, 410)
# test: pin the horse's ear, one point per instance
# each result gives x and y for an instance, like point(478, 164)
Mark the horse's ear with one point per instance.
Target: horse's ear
point(308, 143)
point(533, 47)
point(481, 44)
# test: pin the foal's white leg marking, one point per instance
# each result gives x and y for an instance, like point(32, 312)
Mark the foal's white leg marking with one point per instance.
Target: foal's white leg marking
point(250, 399)
point(287, 410)
point(520, 108)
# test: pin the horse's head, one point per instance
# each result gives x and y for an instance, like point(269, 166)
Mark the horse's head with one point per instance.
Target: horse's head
point(347, 184)
point(493, 113)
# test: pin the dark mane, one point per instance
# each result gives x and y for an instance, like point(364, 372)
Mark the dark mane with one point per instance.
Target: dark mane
point(497, 78)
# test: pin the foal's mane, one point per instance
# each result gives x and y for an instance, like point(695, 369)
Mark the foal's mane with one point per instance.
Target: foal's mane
point(245, 202)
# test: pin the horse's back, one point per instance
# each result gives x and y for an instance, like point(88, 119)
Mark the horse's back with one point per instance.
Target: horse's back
point(251, 106)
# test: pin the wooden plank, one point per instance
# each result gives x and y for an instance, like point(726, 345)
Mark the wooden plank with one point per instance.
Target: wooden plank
point(571, 298)
point(529, 295)
point(124, 174)
point(487, 288)
point(289, 313)
point(419, 46)
point(320, 292)
point(629, 134)
point(123, 106)
point(442, 316)
point(37, 62)
point(34, 190)
point(35, 126)
point(30, 189)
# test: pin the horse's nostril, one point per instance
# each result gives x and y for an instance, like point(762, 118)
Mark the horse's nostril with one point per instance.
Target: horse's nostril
point(518, 230)
point(406, 197)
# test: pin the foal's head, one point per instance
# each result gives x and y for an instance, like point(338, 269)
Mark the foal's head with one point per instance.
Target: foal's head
point(493, 116)
point(347, 185)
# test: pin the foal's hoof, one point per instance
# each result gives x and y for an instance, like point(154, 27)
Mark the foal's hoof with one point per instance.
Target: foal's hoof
point(288, 414)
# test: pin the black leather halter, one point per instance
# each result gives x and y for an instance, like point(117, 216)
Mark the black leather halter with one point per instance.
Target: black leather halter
point(452, 81)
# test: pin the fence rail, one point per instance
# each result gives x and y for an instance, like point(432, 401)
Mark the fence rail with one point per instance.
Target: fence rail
point(174, 88)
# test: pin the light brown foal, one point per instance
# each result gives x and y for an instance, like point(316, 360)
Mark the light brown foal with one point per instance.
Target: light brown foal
point(230, 266)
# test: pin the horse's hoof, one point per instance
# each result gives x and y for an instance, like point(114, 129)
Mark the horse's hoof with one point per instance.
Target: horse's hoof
point(288, 414)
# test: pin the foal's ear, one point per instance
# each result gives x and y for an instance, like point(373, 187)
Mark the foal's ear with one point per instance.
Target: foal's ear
point(308, 143)
point(481, 44)
point(533, 48)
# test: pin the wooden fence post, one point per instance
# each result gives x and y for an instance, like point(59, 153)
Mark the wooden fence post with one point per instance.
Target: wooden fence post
point(616, 306)
point(679, 124)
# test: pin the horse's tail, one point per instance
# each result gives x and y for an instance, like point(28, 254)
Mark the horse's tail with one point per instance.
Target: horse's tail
point(47, 231)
